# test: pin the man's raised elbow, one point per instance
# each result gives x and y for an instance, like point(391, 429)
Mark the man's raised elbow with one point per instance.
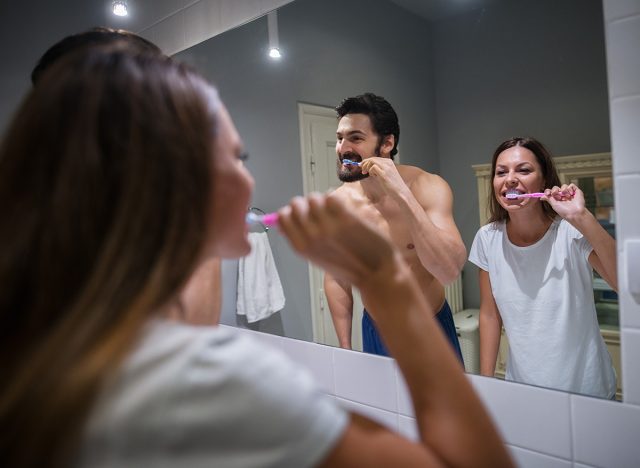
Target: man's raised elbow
point(452, 272)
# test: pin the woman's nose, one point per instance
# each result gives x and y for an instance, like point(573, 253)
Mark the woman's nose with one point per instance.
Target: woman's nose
point(511, 178)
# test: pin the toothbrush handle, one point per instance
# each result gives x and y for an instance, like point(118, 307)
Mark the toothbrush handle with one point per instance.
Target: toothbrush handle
point(532, 195)
point(270, 219)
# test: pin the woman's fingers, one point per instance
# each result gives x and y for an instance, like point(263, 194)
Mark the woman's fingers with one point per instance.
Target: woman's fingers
point(326, 231)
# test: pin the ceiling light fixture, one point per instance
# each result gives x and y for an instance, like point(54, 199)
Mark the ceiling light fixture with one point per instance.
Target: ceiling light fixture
point(120, 8)
point(274, 43)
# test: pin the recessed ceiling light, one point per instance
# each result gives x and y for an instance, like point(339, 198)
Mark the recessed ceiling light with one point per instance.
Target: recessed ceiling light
point(120, 8)
point(274, 53)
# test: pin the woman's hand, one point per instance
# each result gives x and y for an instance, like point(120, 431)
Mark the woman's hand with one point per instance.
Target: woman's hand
point(567, 201)
point(329, 233)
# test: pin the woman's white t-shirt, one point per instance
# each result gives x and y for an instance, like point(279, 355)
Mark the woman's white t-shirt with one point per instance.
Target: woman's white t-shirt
point(210, 397)
point(544, 294)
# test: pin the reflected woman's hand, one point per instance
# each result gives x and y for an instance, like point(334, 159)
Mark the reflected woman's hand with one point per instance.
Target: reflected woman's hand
point(567, 201)
point(331, 234)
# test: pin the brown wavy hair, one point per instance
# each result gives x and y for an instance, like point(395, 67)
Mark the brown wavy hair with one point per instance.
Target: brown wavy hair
point(104, 191)
point(549, 172)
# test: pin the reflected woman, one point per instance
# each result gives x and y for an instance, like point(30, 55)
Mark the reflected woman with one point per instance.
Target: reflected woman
point(536, 257)
point(106, 214)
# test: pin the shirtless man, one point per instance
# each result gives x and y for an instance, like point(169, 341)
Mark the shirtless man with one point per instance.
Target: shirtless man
point(412, 206)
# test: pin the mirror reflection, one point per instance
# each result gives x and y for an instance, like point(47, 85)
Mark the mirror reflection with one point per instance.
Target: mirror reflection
point(461, 81)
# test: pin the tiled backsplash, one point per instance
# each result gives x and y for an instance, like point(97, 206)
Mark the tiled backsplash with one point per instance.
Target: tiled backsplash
point(542, 427)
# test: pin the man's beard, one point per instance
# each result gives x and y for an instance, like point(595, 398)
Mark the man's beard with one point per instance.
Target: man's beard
point(349, 173)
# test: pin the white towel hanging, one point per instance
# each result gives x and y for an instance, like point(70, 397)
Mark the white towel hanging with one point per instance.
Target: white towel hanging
point(260, 292)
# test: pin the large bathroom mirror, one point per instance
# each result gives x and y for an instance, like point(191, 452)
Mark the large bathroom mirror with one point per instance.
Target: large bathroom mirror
point(461, 77)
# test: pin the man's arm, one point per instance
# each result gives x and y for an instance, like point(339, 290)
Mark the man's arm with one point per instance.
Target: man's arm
point(340, 301)
point(428, 209)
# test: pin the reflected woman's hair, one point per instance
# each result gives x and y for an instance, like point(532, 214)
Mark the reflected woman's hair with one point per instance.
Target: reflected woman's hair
point(105, 183)
point(549, 172)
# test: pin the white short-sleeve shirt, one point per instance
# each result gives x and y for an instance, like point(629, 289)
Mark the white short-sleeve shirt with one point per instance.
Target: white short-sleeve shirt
point(544, 294)
point(209, 397)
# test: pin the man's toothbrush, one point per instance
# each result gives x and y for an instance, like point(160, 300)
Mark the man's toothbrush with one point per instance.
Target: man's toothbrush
point(513, 196)
point(269, 219)
point(349, 162)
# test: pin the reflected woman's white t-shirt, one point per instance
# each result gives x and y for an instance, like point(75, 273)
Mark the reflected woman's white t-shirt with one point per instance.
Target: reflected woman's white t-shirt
point(544, 294)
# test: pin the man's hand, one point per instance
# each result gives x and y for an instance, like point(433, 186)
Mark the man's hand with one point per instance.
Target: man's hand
point(385, 172)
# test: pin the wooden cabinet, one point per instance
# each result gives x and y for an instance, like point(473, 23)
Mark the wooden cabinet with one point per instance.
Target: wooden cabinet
point(594, 170)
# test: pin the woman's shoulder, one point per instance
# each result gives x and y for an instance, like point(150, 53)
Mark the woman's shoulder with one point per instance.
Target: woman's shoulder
point(219, 348)
point(211, 386)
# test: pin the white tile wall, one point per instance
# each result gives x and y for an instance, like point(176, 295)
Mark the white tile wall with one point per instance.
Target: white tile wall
point(630, 357)
point(407, 427)
point(318, 359)
point(619, 9)
point(388, 419)
point(623, 60)
point(543, 427)
point(367, 379)
point(530, 459)
point(625, 138)
point(605, 433)
point(628, 227)
point(526, 416)
point(405, 406)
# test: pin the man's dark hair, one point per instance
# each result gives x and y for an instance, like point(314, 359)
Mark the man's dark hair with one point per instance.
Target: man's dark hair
point(92, 37)
point(383, 118)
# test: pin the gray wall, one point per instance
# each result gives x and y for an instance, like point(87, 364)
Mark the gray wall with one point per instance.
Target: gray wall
point(29, 28)
point(332, 50)
point(542, 75)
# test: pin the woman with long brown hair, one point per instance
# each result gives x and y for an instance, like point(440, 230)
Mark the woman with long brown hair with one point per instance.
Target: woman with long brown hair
point(119, 175)
point(536, 256)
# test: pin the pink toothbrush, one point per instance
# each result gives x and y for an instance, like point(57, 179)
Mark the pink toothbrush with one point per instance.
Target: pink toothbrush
point(513, 196)
point(269, 219)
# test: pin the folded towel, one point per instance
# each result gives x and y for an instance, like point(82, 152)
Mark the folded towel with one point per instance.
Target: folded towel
point(260, 292)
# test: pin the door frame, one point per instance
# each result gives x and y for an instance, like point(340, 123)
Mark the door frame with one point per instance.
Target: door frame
point(306, 110)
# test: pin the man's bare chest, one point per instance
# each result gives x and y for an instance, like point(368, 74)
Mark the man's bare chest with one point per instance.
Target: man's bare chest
point(391, 221)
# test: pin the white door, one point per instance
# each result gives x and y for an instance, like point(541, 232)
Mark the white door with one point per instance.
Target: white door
point(318, 144)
